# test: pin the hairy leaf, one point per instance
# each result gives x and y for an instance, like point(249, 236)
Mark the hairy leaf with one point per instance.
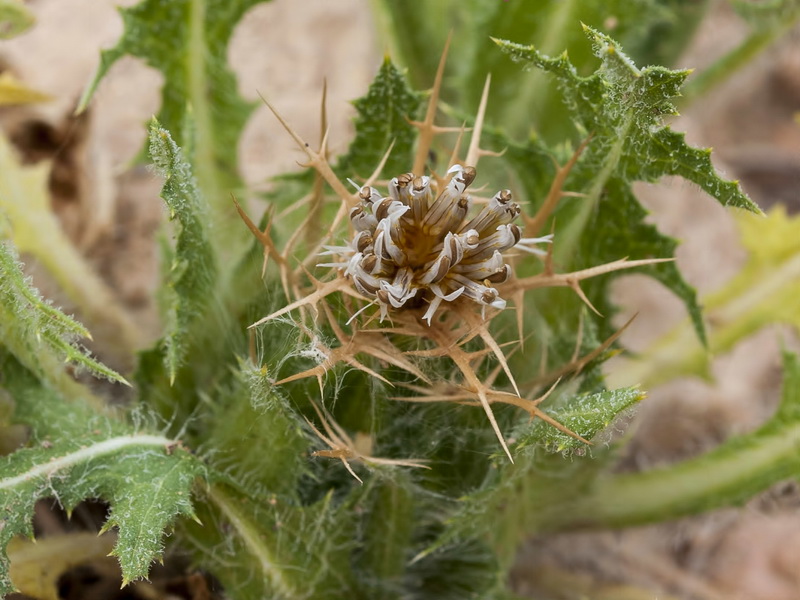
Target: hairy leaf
point(622, 108)
point(37, 333)
point(505, 508)
point(654, 31)
point(193, 271)
point(187, 40)
point(272, 549)
point(257, 438)
point(78, 453)
point(586, 415)
point(383, 116)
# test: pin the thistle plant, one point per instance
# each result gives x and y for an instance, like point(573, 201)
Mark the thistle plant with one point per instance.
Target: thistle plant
point(418, 250)
point(383, 387)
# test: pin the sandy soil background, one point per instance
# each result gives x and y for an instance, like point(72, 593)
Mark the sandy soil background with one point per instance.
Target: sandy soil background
point(112, 211)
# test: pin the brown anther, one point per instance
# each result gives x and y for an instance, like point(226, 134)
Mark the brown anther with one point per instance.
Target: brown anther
point(515, 232)
point(382, 209)
point(370, 289)
point(472, 240)
point(404, 179)
point(382, 296)
point(441, 271)
point(368, 262)
point(453, 246)
point(364, 241)
point(419, 184)
point(513, 210)
point(463, 202)
point(504, 197)
point(500, 276)
point(468, 175)
point(356, 212)
point(365, 193)
point(489, 296)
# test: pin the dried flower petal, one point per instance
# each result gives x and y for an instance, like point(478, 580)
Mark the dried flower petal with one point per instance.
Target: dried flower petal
point(410, 249)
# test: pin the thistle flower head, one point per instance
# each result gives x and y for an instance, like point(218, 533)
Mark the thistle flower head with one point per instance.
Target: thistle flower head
point(413, 250)
point(415, 247)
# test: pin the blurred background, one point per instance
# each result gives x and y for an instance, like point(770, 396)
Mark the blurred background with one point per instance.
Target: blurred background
point(108, 204)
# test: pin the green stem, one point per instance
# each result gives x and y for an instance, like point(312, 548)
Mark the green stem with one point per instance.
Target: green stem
point(535, 91)
point(252, 535)
point(728, 475)
point(225, 233)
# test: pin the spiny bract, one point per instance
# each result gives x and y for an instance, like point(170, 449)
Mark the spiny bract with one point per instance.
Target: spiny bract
point(409, 252)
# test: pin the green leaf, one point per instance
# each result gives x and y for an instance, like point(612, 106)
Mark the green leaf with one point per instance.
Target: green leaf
point(382, 119)
point(272, 549)
point(506, 507)
point(654, 31)
point(637, 239)
point(257, 437)
point(193, 271)
point(587, 415)
point(38, 334)
point(622, 108)
point(187, 40)
point(78, 453)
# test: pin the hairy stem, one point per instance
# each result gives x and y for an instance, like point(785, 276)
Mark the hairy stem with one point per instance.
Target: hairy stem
point(252, 534)
point(730, 474)
point(529, 98)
